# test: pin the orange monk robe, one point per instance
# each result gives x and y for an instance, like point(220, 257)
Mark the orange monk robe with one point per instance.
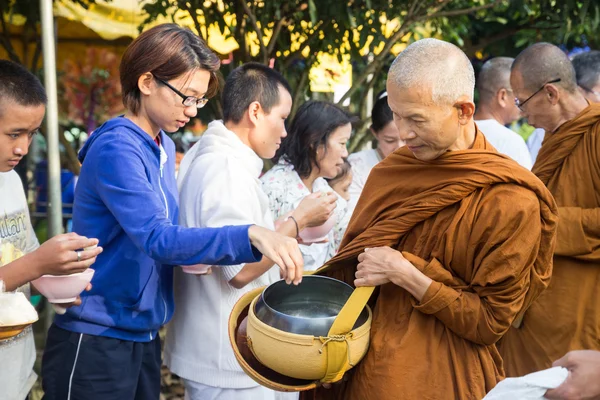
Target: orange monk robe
point(567, 315)
point(482, 228)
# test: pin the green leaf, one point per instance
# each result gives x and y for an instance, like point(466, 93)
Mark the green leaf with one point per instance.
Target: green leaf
point(312, 10)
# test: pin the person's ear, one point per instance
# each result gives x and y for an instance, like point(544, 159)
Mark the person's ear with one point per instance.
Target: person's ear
point(146, 83)
point(552, 93)
point(466, 110)
point(254, 112)
point(502, 97)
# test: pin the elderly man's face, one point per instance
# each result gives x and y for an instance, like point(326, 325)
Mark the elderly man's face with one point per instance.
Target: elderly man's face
point(539, 109)
point(428, 129)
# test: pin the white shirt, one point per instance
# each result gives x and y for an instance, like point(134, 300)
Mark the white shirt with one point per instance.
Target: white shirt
point(17, 237)
point(534, 142)
point(362, 163)
point(219, 186)
point(506, 141)
point(285, 190)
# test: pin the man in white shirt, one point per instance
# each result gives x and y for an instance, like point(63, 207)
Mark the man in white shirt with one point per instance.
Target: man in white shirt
point(497, 108)
point(219, 185)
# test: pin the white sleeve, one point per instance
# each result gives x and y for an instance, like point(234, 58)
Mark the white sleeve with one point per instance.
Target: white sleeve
point(524, 157)
point(358, 182)
point(224, 196)
point(32, 241)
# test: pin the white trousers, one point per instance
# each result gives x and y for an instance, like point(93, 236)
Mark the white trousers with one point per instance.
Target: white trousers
point(199, 391)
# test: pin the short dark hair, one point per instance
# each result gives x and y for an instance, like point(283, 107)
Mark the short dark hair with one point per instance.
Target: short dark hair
point(311, 127)
point(381, 115)
point(19, 85)
point(587, 69)
point(167, 51)
point(249, 83)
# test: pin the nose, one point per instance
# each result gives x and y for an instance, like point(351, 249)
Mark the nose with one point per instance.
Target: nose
point(345, 152)
point(404, 130)
point(191, 111)
point(284, 133)
point(22, 146)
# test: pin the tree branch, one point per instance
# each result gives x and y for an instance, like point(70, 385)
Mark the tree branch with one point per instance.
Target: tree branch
point(454, 13)
point(6, 43)
point(36, 54)
point(302, 84)
point(416, 5)
point(296, 54)
point(70, 153)
point(240, 35)
point(409, 20)
point(378, 59)
point(194, 15)
point(259, 33)
point(486, 41)
point(280, 24)
point(369, 86)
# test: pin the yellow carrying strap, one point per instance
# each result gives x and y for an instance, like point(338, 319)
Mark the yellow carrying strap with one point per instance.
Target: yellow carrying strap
point(336, 341)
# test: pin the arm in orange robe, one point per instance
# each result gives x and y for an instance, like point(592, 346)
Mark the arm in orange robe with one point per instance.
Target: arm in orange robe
point(578, 233)
point(508, 238)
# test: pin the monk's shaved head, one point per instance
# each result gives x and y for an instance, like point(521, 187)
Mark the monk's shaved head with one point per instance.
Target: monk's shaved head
point(436, 64)
point(541, 63)
point(494, 75)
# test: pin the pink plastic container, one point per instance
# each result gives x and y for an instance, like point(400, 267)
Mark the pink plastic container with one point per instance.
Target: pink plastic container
point(198, 269)
point(319, 233)
point(313, 234)
point(63, 288)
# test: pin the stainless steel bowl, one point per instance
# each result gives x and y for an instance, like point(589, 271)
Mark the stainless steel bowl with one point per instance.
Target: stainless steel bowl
point(308, 309)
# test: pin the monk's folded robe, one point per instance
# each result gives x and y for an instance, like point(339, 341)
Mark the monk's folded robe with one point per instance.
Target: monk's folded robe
point(482, 228)
point(567, 315)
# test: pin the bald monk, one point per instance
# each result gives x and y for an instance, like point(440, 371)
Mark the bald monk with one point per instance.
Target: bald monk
point(457, 237)
point(497, 108)
point(567, 316)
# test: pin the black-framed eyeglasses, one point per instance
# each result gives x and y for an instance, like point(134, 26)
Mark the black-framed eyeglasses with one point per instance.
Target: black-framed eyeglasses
point(188, 101)
point(520, 105)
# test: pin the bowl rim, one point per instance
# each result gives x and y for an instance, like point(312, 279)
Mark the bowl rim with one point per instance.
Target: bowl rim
point(88, 271)
point(24, 324)
point(279, 313)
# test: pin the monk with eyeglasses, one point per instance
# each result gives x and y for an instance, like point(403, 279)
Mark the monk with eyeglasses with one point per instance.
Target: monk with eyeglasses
point(567, 315)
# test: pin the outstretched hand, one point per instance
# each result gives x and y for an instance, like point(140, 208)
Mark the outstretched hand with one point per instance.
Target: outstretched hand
point(59, 255)
point(282, 250)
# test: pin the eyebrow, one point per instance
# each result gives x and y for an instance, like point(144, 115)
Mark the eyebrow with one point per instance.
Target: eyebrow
point(23, 130)
point(194, 92)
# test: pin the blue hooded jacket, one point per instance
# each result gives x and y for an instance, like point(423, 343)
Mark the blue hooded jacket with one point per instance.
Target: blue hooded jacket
point(127, 198)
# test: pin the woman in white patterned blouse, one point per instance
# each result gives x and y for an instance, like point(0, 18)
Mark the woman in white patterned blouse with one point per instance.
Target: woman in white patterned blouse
point(314, 149)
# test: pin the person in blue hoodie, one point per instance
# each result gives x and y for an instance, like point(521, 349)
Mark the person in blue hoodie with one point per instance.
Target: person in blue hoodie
point(108, 347)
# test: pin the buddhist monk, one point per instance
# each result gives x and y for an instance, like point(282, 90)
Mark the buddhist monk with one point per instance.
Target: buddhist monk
point(567, 315)
point(457, 237)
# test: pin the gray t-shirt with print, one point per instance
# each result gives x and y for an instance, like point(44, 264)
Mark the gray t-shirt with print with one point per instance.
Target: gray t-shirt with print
point(17, 355)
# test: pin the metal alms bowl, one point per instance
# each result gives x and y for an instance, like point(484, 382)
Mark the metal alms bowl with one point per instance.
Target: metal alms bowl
point(307, 309)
